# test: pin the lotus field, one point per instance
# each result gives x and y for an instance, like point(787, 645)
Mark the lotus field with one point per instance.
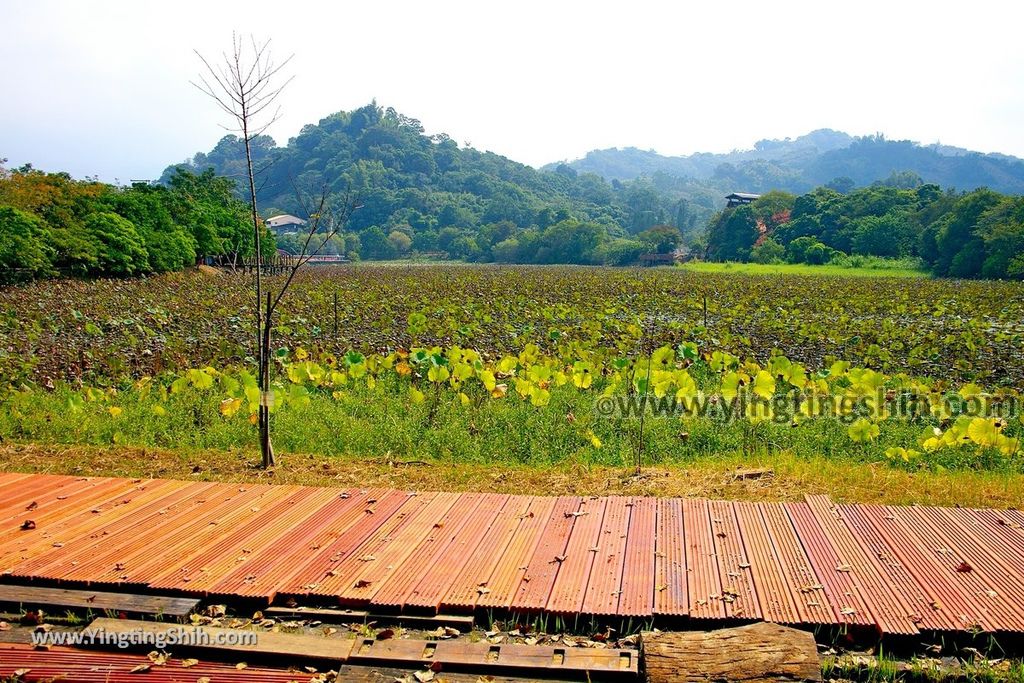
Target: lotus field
point(528, 365)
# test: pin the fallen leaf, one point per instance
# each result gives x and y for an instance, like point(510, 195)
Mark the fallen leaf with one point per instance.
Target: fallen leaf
point(141, 669)
point(32, 506)
point(28, 525)
point(158, 658)
point(385, 634)
point(186, 663)
point(241, 665)
point(844, 568)
point(963, 568)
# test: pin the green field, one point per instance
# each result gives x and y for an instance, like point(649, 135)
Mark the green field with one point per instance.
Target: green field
point(512, 367)
point(873, 268)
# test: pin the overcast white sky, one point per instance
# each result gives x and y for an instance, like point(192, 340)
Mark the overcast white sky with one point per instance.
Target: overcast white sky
point(102, 87)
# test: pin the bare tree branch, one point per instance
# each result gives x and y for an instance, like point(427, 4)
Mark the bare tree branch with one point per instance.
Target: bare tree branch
point(244, 85)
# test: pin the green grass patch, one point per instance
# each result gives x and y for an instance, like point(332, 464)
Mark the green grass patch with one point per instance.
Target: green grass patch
point(874, 267)
point(383, 424)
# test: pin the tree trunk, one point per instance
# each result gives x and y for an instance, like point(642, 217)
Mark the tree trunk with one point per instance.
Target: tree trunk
point(758, 653)
point(266, 447)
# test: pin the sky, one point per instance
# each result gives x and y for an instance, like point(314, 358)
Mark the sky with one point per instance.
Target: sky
point(102, 88)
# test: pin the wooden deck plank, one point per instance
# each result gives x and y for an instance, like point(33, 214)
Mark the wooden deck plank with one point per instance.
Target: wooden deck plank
point(704, 583)
point(508, 574)
point(139, 561)
point(774, 594)
point(266, 570)
point(812, 597)
point(882, 548)
point(983, 559)
point(542, 569)
point(360, 577)
point(177, 570)
point(945, 591)
point(425, 556)
point(604, 585)
point(470, 581)
point(25, 494)
point(72, 516)
point(132, 521)
point(995, 524)
point(738, 592)
point(979, 588)
point(637, 599)
point(570, 587)
point(432, 587)
point(58, 600)
point(670, 575)
point(892, 612)
point(120, 547)
point(896, 568)
point(830, 567)
point(322, 561)
point(255, 534)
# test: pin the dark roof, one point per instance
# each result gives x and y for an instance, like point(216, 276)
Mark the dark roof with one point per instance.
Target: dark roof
point(743, 195)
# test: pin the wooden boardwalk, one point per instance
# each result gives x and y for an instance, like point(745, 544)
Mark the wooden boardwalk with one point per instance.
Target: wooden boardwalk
point(899, 570)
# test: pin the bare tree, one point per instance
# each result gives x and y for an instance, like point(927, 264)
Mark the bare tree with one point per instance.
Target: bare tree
point(324, 222)
point(246, 84)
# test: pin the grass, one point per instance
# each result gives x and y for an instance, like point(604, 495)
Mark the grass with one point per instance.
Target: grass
point(881, 668)
point(792, 477)
point(882, 268)
point(377, 436)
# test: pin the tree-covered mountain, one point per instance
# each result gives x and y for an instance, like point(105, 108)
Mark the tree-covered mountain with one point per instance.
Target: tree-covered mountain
point(818, 158)
point(424, 193)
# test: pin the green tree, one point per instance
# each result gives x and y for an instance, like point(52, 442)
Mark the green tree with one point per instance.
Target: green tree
point(375, 245)
point(506, 251)
point(768, 251)
point(123, 251)
point(955, 233)
point(662, 239)
point(400, 242)
point(732, 234)
point(26, 249)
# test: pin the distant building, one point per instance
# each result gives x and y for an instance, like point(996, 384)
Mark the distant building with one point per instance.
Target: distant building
point(285, 223)
point(740, 198)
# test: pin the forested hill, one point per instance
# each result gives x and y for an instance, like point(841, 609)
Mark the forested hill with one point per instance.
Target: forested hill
point(444, 197)
point(818, 158)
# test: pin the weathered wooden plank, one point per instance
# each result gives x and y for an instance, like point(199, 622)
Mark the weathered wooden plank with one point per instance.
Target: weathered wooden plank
point(49, 599)
point(223, 641)
point(483, 657)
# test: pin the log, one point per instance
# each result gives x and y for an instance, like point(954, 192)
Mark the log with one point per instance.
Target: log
point(758, 653)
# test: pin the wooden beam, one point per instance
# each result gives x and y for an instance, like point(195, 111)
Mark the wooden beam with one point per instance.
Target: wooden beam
point(221, 642)
point(758, 653)
point(511, 659)
point(54, 599)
